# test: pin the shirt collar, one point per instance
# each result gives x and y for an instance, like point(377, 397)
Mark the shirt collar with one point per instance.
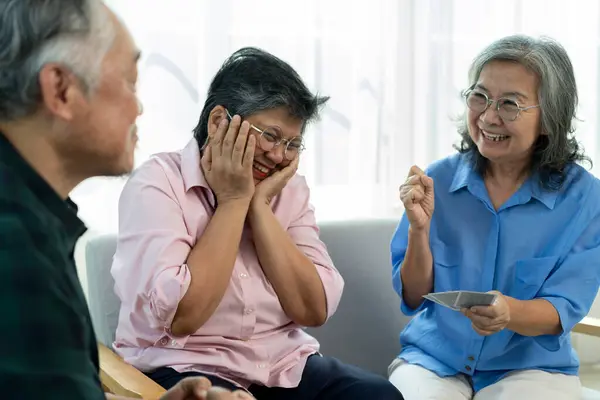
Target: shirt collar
point(64, 210)
point(534, 188)
point(191, 170)
point(466, 176)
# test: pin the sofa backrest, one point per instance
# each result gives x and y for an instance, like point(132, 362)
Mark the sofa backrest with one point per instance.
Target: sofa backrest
point(103, 303)
point(366, 327)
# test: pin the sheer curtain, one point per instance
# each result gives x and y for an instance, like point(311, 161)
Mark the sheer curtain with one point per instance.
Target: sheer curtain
point(393, 68)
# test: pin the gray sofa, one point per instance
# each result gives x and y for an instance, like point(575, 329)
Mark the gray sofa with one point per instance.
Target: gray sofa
point(365, 329)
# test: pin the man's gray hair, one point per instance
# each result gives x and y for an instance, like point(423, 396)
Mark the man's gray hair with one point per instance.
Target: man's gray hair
point(557, 97)
point(33, 33)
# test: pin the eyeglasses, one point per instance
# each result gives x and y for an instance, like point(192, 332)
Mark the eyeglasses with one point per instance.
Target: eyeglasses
point(269, 139)
point(507, 109)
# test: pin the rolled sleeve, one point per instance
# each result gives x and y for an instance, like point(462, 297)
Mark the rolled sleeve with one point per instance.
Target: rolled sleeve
point(149, 268)
point(168, 289)
point(573, 285)
point(398, 248)
point(304, 231)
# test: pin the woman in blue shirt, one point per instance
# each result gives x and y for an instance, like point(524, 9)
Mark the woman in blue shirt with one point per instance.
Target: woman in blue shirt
point(514, 214)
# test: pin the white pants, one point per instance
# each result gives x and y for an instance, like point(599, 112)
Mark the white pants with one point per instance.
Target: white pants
point(418, 383)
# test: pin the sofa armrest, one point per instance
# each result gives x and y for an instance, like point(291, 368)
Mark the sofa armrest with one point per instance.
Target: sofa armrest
point(588, 326)
point(122, 379)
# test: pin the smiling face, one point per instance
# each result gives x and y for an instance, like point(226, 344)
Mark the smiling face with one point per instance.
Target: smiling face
point(501, 140)
point(278, 126)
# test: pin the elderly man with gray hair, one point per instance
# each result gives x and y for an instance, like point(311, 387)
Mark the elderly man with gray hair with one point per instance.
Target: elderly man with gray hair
point(68, 106)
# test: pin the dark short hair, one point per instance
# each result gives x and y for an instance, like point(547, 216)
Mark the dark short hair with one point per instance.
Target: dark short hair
point(557, 95)
point(252, 80)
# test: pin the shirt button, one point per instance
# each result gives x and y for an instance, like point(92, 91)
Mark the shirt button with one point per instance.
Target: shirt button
point(468, 368)
point(173, 343)
point(471, 358)
point(243, 275)
point(248, 311)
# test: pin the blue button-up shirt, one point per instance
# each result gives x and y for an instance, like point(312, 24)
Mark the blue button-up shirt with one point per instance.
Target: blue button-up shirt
point(538, 245)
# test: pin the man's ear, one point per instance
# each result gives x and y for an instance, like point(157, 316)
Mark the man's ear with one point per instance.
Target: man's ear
point(60, 90)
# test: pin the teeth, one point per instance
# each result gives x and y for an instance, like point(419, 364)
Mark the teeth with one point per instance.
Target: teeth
point(261, 168)
point(495, 138)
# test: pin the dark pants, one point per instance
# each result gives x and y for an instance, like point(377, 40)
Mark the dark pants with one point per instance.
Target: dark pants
point(324, 378)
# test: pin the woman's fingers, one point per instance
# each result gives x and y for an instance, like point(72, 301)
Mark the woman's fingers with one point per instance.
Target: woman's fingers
point(239, 148)
point(217, 140)
point(231, 136)
point(410, 194)
point(249, 152)
point(206, 160)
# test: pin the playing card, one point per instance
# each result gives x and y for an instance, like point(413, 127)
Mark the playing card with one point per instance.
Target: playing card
point(468, 299)
point(446, 299)
point(456, 300)
point(432, 298)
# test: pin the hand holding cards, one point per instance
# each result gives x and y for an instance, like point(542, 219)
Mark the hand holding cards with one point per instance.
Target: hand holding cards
point(459, 299)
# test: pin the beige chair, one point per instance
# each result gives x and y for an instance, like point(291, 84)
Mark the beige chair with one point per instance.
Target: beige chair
point(120, 378)
point(364, 331)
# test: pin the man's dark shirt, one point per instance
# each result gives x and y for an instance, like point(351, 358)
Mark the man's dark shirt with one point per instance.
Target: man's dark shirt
point(48, 347)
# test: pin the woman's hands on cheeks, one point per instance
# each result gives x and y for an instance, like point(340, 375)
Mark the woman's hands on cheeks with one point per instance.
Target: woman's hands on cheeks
point(227, 165)
point(227, 161)
point(274, 184)
point(487, 320)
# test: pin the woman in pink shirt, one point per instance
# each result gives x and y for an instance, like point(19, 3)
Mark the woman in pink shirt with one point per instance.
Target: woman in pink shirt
point(219, 265)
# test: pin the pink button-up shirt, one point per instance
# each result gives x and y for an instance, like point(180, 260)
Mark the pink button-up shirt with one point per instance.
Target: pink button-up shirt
point(164, 208)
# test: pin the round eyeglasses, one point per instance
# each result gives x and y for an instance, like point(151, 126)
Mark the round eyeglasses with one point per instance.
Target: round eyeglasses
point(269, 139)
point(507, 109)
